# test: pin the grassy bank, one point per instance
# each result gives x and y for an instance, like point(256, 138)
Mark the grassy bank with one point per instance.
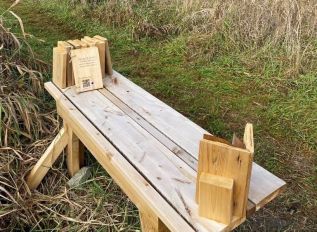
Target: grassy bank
point(220, 64)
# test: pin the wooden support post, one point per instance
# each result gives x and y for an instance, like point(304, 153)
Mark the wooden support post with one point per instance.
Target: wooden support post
point(150, 222)
point(75, 152)
point(48, 158)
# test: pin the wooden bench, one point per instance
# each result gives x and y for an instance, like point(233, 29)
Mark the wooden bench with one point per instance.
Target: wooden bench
point(148, 148)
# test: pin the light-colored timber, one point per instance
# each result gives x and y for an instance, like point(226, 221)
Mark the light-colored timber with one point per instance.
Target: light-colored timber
point(137, 188)
point(168, 121)
point(47, 159)
point(224, 160)
point(108, 62)
point(150, 222)
point(87, 70)
point(75, 43)
point(174, 179)
point(153, 167)
point(59, 67)
point(75, 152)
point(101, 45)
point(216, 197)
point(83, 44)
point(69, 72)
point(89, 41)
point(248, 139)
point(177, 150)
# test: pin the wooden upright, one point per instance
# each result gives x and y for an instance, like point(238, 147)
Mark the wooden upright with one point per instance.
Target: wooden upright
point(219, 164)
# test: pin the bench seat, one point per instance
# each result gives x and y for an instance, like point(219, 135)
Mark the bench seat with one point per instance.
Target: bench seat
point(150, 150)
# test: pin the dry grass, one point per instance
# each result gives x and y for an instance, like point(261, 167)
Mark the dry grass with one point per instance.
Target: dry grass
point(254, 26)
point(21, 81)
point(55, 207)
point(28, 124)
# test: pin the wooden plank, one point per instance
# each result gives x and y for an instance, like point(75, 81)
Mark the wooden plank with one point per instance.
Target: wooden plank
point(225, 160)
point(75, 152)
point(101, 45)
point(69, 70)
point(168, 121)
point(250, 208)
point(83, 44)
point(47, 159)
point(174, 179)
point(108, 62)
point(178, 151)
point(265, 186)
point(138, 189)
point(59, 67)
point(76, 46)
point(216, 197)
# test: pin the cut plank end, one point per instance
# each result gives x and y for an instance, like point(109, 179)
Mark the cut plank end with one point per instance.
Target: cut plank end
point(216, 197)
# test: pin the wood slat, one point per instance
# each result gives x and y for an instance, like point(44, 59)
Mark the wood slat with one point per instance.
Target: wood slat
point(173, 178)
point(170, 122)
point(178, 151)
point(124, 174)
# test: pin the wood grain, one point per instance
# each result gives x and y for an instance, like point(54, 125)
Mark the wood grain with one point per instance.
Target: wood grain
point(150, 222)
point(108, 62)
point(124, 174)
point(168, 121)
point(47, 159)
point(216, 197)
point(171, 176)
point(227, 161)
point(59, 67)
point(69, 69)
point(75, 152)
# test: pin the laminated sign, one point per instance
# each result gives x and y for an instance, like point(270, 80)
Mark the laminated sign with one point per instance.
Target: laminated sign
point(87, 69)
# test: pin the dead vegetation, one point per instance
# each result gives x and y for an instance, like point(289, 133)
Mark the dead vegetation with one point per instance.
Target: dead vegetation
point(283, 29)
point(28, 124)
point(21, 81)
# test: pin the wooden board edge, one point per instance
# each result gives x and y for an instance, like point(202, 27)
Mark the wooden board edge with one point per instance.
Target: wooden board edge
point(138, 190)
point(255, 167)
point(270, 197)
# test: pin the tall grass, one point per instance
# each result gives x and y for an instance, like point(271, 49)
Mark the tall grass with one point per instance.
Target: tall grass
point(283, 29)
point(21, 117)
point(27, 126)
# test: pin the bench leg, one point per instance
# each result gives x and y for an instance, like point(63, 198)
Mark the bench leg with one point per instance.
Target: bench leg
point(75, 152)
point(151, 223)
point(48, 158)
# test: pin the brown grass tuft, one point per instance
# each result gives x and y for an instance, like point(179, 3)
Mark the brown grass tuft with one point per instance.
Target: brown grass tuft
point(21, 116)
point(285, 29)
point(25, 132)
